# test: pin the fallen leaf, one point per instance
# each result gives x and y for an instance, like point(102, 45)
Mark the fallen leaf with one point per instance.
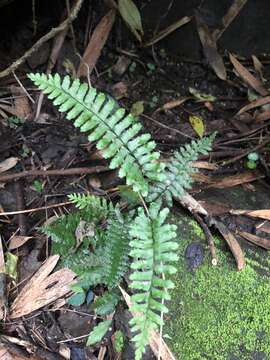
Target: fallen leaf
point(201, 96)
point(11, 265)
point(42, 289)
point(227, 19)
point(172, 104)
point(248, 78)
point(8, 164)
point(132, 17)
point(210, 48)
point(232, 243)
point(165, 32)
point(96, 44)
point(197, 124)
point(137, 108)
point(18, 241)
point(254, 104)
point(262, 214)
point(254, 239)
point(263, 116)
point(21, 102)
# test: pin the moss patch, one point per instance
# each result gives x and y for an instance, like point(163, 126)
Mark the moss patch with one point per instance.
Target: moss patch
point(217, 312)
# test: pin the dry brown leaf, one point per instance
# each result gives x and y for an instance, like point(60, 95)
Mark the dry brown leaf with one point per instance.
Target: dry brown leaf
point(215, 208)
point(21, 102)
point(8, 164)
point(95, 45)
point(232, 243)
point(248, 78)
point(173, 104)
point(6, 355)
point(263, 116)
point(254, 104)
point(210, 49)
point(18, 241)
point(230, 181)
point(157, 344)
point(263, 214)
point(204, 165)
point(42, 289)
point(254, 239)
point(163, 33)
point(227, 19)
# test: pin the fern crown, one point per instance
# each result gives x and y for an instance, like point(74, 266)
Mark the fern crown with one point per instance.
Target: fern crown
point(117, 135)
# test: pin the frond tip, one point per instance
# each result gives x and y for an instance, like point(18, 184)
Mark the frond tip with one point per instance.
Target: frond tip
point(116, 134)
point(178, 171)
point(153, 249)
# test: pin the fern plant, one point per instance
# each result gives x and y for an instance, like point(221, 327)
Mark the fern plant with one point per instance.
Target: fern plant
point(146, 238)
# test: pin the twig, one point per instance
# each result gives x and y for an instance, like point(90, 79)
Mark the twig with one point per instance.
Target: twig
point(209, 238)
point(56, 172)
point(54, 31)
point(20, 205)
point(9, 213)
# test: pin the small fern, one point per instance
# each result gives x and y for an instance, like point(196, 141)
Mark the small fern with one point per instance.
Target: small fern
point(104, 259)
point(178, 171)
point(153, 249)
point(116, 251)
point(117, 135)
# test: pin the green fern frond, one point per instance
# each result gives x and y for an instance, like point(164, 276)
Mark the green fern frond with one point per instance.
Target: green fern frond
point(116, 251)
point(98, 206)
point(153, 249)
point(117, 134)
point(178, 171)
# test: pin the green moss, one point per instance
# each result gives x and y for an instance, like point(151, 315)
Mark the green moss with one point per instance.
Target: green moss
point(217, 312)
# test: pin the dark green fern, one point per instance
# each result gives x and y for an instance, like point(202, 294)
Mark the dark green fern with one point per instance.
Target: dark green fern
point(153, 250)
point(117, 134)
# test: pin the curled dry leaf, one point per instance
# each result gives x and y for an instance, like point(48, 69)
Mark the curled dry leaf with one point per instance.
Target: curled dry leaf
point(42, 289)
point(248, 78)
point(8, 164)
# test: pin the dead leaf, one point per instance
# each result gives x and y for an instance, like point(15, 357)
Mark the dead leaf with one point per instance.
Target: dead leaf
point(232, 243)
point(204, 165)
point(18, 241)
point(227, 19)
point(95, 45)
point(254, 239)
point(215, 208)
point(21, 102)
point(210, 49)
point(42, 289)
point(262, 214)
point(8, 164)
point(254, 104)
point(157, 344)
point(165, 32)
point(228, 181)
point(172, 104)
point(263, 116)
point(248, 78)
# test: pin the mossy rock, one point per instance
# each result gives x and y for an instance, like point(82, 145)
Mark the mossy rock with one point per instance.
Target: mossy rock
point(218, 313)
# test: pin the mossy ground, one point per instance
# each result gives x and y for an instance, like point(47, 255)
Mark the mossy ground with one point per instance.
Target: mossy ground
point(217, 312)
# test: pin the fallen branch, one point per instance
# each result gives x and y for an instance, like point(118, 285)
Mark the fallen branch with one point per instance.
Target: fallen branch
point(56, 172)
point(54, 31)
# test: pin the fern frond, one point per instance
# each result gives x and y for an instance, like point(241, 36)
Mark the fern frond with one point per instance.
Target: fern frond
point(96, 205)
point(178, 171)
point(153, 249)
point(117, 134)
point(116, 251)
